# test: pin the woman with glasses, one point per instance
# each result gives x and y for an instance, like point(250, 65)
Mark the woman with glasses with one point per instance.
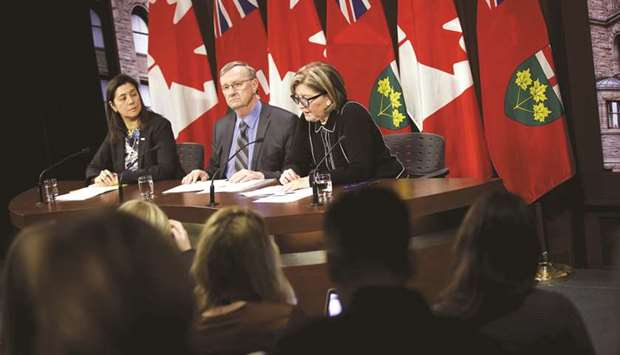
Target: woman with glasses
point(342, 131)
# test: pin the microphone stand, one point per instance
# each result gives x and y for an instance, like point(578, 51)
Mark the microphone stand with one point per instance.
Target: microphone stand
point(62, 161)
point(212, 202)
point(121, 190)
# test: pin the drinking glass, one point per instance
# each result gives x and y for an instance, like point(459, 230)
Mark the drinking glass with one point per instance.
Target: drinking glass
point(323, 183)
point(50, 190)
point(145, 185)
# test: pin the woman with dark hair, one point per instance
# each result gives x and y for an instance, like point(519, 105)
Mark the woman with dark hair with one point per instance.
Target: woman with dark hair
point(139, 142)
point(494, 286)
point(328, 119)
point(244, 299)
point(108, 284)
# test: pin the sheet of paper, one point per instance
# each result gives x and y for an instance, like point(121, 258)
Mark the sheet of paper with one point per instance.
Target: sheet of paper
point(85, 193)
point(288, 197)
point(265, 191)
point(227, 186)
point(197, 186)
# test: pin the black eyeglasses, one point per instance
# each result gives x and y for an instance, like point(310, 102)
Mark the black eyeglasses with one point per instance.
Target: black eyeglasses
point(305, 101)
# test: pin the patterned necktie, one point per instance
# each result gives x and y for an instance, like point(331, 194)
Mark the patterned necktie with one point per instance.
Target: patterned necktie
point(242, 159)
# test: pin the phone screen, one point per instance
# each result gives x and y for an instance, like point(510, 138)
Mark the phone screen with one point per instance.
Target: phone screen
point(333, 306)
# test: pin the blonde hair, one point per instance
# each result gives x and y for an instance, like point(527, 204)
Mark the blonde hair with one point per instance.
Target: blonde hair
point(236, 260)
point(323, 78)
point(148, 212)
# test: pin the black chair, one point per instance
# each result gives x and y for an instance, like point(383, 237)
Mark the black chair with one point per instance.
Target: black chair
point(191, 156)
point(422, 154)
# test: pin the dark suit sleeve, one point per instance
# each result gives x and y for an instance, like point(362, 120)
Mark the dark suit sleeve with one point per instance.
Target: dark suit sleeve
point(280, 143)
point(216, 149)
point(161, 160)
point(300, 158)
point(102, 160)
point(358, 127)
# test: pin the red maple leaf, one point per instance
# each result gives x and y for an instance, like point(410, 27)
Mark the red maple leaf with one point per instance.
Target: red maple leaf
point(172, 46)
point(434, 46)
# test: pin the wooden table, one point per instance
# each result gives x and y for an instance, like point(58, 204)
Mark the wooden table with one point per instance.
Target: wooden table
point(424, 197)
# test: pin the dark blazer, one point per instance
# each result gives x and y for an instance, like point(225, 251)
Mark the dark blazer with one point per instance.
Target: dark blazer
point(362, 155)
point(157, 154)
point(274, 124)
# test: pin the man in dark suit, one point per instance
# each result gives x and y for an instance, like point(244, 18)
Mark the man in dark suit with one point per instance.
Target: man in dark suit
point(249, 120)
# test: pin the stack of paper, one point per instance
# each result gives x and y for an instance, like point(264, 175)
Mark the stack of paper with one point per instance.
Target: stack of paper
point(85, 193)
point(287, 197)
point(220, 185)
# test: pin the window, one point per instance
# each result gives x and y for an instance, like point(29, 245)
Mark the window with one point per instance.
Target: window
point(144, 92)
point(97, 30)
point(140, 31)
point(613, 114)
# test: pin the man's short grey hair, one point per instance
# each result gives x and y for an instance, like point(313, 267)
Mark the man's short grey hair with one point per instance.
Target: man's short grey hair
point(228, 66)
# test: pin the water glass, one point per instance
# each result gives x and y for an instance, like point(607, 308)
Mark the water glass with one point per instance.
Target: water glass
point(323, 183)
point(145, 185)
point(50, 190)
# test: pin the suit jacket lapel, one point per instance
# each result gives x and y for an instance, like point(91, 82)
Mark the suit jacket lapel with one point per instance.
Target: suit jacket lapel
point(263, 125)
point(227, 143)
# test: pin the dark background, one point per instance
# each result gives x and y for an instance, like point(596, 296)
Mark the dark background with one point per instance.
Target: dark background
point(55, 108)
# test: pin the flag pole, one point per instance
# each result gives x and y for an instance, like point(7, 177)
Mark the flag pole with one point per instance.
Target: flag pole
point(547, 271)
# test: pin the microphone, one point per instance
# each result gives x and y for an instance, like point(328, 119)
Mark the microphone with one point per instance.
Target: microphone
point(315, 189)
point(212, 202)
point(57, 164)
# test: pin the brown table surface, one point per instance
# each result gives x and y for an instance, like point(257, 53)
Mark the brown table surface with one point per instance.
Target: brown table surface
point(424, 197)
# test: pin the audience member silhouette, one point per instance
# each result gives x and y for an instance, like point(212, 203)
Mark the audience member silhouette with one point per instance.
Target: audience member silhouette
point(244, 299)
point(152, 214)
point(106, 284)
point(493, 288)
point(368, 259)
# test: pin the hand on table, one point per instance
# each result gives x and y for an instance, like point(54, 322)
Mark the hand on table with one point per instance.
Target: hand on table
point(195, 175)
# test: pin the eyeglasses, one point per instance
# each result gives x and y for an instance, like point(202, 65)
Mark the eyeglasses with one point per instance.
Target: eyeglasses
point(305, 101)
point(236, 85)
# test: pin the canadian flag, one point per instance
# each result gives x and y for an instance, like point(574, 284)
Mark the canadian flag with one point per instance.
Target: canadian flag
point(437, 83)
point(240, 35)
point(180, 79)
point(295, 39)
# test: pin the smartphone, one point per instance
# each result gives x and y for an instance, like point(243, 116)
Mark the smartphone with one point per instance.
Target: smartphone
point(333, 307)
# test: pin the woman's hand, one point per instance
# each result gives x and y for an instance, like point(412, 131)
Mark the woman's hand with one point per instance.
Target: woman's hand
point(180, 235)
point(300, 183)
point(287, 176)
point(106, 178)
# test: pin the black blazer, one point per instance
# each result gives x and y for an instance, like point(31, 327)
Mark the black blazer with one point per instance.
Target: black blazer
point(360, 156)
point(274, 124)
point(157, 154)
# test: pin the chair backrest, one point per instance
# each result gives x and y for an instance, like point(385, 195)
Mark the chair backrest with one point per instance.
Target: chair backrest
point(191, 156)
point(422, 153)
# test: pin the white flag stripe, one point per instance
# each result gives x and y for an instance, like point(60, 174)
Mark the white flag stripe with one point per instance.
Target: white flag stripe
point(180, 104)
point(544, 64)
point(427, 89)
point(549, 73)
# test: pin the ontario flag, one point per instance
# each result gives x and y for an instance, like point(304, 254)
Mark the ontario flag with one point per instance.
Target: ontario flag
point(180, 79)
point(240, 35)
point(524, 121)
point(360, 47)
point(437, 83)
point(295, 38)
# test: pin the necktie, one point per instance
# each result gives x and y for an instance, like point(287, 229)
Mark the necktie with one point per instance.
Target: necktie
point(242, 159)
